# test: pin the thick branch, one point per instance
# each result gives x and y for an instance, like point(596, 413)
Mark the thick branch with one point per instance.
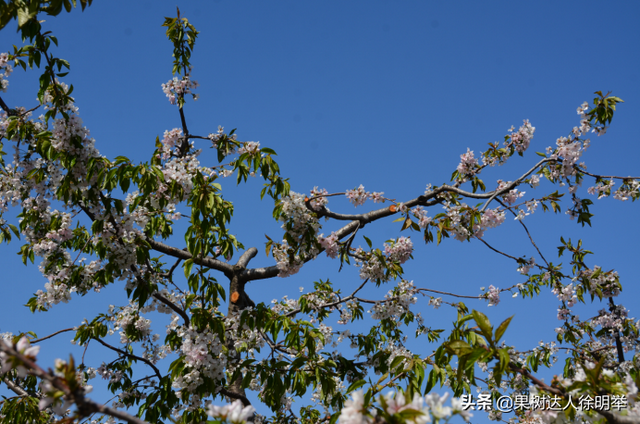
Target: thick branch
point(358, 221)
point(15, 388)
point(183, 254)
point(233, 395)
point(10, 112)
point(246, 257)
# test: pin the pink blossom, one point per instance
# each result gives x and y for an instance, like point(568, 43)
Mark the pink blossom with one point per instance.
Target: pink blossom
point(377, 197)
point(329, 244)
point(357, 196)
point(468, 163)
point(493, 296)
point(399, 250)
point(522, 138)
point(318, 201)
point(235, 413)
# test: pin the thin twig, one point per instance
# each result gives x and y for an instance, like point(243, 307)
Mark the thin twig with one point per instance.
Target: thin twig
point(130, 355)
point(84, 406)
point(51, 335)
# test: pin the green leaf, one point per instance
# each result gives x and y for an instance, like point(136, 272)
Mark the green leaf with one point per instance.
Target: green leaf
point(458, 347)
point(356, 385)
point(502, 328)
point(484, 324)
point(25, 14)
point(504, 359)
point(188, 264)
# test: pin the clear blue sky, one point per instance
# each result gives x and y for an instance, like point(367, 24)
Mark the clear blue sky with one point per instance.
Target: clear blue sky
point(380, 93)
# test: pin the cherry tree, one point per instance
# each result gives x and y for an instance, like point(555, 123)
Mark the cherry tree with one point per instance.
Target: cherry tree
point(89, 222)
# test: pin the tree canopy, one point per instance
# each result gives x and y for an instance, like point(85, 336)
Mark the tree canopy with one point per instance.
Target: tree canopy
point(197, 344)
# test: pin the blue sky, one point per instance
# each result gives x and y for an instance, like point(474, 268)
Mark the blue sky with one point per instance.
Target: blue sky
point(380, 93)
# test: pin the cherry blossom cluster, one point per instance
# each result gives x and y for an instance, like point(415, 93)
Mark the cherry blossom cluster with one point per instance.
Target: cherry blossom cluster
point(526, 266)
point(531, 206)
point(235, 412)
point(203, 354)
point(492, 218)
point(522, 137)
point(243, 336)
point(493, 295)
point(436, 302)
point(9, 362)
point(176, 88)
point(518, 142)
point(596, 279)
point(617, 322)
point(215, 138)
point(570, 149)
point(358, 196)
point(133, 326)
point(468, 164)
point(181, 170)
point(393, 404)
point(288, 262)
point(346, 315)
point(584, 403)
point(250, 147)
point(399, 250)
point(297, 218)
point(602, 188)
point(5, 71)
point(585, 123)
point(397, 302)
point(170, 140)
point(630, 189)
point(421, 215)
point(329, 244)
point(298, 222)
point(288, 305)
point(566, 294)
point(371, 264)
point(459, 218)
point(318, 198)
point(512, 195)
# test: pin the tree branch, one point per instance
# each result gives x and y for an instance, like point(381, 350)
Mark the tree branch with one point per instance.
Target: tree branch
point(84, 406)
point(51, 335)
point(130, 355)
point(15, 388)
point(173, 307)
point(184, 254)
point(10, 112)
point(233, 395)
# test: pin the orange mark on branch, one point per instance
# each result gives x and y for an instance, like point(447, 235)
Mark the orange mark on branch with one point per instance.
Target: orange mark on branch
point(393, 208)
point(306, 199)
point(234, 297)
